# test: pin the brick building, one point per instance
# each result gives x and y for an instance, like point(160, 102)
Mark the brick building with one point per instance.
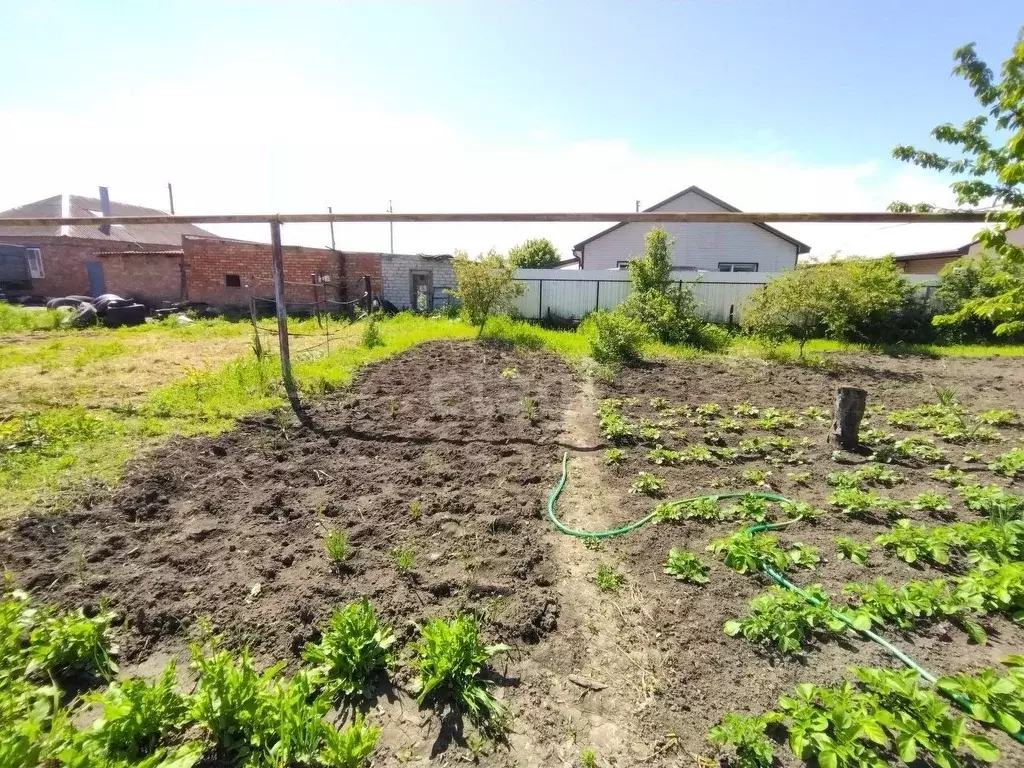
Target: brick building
point(65, 260)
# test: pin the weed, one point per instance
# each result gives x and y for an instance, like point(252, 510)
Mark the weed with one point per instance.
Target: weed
point(530, 410)
point(804, 555)
point(415, 509)
point(354, 649)
point(404, 559)
point(588, 759)
point(371, 334)
point(510, 373)
point(337, 547)
point(746, 735)
point(745, 551)
point(851, 550)
point(659, 403)
point(686, 566)
point(450, 659)
point(614, 456)
point(997, 417)
point(393, 407)
point(350, 747)
point(609, 578)
point(648, 484)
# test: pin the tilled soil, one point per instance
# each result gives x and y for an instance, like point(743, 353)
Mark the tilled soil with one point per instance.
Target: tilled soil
point(450, 450)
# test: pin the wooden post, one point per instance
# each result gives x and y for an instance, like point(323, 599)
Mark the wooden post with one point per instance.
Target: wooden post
point(850, 405)
point(368, 292)
point(316, 300)
point(257, 345)
point(277, 265)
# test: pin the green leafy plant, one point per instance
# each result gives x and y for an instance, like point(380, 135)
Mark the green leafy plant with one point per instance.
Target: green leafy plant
point(851, 550)
point(704, 509)
point(746, 735)
point(686, 566)
point(535, 253)
point(804, 555)
point(745, 551)
point(136, 716)
point(918, 603)
point(484, 286)
point(800, 509)
point(727, 424)
point(337, 547)
point(993, 698)
point(758, 477)
point(661, 455)
point(650, 433)
point(950, 476)
point(1009, 464)
point(709, 409)
point(530, 412)
point(588, 759)
point(853, 501)
point(352, 653)
point(749, 507)
point(68, 643)
point(697, 453)
point(615, 338)
point(614, 456)
point(510, 373)
point(371, 333)
point(992, 501)
point(930, 501)
point(647, 484)
point(350, 747)
point(745, 409)
point(997, 417)
point(404, 559)
point(912, 542)
point(659, 403)
point(415, 509)
point(609, 578)
point(814, 412)
point(450, 658)
point(788, 621)
point(777, 418)
point(800, 478)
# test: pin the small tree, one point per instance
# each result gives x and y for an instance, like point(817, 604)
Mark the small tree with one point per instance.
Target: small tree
point(538, 253)
point(800, 303)
point(653, 272)
point(484, 286)
point(990, 169)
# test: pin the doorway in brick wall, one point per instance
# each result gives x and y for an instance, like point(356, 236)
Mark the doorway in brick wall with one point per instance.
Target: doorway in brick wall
point(97, 282)
point(422, 284)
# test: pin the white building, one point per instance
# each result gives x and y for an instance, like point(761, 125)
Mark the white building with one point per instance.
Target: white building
point(698, 246)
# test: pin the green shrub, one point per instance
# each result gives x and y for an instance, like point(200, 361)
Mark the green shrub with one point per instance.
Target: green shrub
point(371, 334)
point(615, 338)
point(353, 650)
point(484, 286)
point(536, 253)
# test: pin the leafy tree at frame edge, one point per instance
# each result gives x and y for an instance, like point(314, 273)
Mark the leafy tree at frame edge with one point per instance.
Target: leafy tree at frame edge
point(988, 172)
point(484, 286)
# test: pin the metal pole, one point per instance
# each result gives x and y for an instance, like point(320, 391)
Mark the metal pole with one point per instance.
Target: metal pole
point(368, 291)
point(391, 226)
point(277, 266)
point(332, 229)
point(170, 195)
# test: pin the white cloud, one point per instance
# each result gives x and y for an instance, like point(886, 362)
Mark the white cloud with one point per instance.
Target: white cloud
point(271, 145)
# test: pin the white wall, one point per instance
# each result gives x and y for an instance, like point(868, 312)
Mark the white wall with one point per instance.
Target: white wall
point(697, 245)
point(576, 293)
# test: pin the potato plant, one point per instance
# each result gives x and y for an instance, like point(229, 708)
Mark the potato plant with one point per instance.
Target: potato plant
point(851, 550)
point(911, 543)
point(787, 621)
point(745, 552)
point(648, 484)
point(686, 566)
point(746, 736)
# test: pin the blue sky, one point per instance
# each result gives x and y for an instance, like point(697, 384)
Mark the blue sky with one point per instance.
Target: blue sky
point(488, 105)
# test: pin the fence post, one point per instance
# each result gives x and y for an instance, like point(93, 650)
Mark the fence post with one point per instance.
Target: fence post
point(277, 265)
point(540, 299)
point(368, 292)
point(597, 298)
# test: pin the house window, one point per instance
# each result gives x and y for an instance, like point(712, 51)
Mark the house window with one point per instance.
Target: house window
point(684, 269)
point(232, 281)
point(622, 265)
point(737, 266)
point(35, 263)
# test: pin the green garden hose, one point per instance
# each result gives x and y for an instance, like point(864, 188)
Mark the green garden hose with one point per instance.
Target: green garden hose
point(774, 575)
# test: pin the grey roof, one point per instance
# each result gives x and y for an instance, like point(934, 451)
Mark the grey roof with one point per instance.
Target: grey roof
point(803, 247)
point(77, 205)
point(946, 253)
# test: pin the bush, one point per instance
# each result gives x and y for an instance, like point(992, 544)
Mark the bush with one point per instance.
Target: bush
point(485, 286)
point(615, 338)
point(537, 253)
point(963, 283)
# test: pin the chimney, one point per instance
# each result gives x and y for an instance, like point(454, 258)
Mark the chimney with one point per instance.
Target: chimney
point(105, 209)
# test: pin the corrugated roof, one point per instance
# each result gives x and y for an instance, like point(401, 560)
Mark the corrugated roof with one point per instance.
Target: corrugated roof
point(78, 205)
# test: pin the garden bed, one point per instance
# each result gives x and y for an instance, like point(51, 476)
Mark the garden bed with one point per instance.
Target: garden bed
point(446, 454)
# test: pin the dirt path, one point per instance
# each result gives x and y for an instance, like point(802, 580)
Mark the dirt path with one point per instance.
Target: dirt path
point(599, 672)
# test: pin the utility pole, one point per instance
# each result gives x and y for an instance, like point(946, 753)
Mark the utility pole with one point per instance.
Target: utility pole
point(332, 229)
point(170, 195)
point(638, 206)
point(391, 226)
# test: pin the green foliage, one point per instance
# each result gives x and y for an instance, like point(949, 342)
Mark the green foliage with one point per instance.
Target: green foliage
point(371, 333)
point(63, 644)
point(337, 547)
point(950, 476)
point(745, 409)
point(966, 282)
point(404, 559)
point(136, 716)
point(686, 566)
point(787, 620)
point(870, 474)
point(1009, 464)
point(853, 501)
point(484, 286)
point(918, 603)
point(353, 651)
point(930, 501)
point(536, 253)
point(745, 551)
point(758, 477)
point(746, 735)
point(451, 658)
point(615, 338)
point(530, 412)
point(588, 759)
point(776, 419)
point(350, 747)
point(647, 484)
point(613, 424)
point(992, 501)
point(988, 173)
point(614, 456)
point(804, 555)
point(997, 417)
point(994, 698)
point(912, 542)
point(608, 578)
point(749, 507)
point(661, 455)
point(704, 509)
point(851, 550)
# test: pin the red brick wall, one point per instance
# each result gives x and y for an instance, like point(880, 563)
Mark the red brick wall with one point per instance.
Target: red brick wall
point(64, 261)
point(150, 279)
point(208, 261)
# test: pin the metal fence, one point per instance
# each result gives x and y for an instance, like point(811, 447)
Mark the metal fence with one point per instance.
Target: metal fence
point(572, 294)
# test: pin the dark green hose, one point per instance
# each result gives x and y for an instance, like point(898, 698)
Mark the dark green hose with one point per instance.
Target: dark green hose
point(774, 575)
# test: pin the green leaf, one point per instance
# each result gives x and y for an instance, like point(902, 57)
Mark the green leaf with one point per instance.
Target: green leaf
point(874, 731)
point(982, 747)
point(827, 759)
point(733, 628)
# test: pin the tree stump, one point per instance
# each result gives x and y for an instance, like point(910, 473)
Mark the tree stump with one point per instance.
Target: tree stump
point(850, 405)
